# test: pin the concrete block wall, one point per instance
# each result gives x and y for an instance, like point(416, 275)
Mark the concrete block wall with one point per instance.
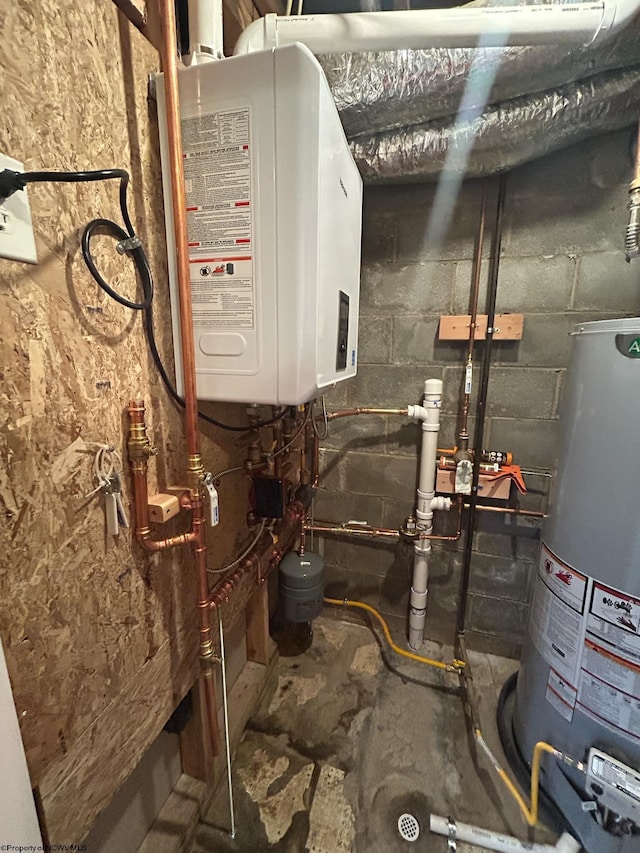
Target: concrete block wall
point(562, 262)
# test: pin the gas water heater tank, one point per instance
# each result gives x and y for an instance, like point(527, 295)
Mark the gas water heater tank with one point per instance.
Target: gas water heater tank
point(274, 203)
point(579, 684)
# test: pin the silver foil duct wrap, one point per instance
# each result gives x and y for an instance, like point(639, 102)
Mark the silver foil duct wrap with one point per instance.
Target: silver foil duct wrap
point(382, 91)
point(503, 135)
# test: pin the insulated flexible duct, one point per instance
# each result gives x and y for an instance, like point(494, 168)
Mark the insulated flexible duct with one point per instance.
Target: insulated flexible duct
point(382, 91)
point(400, 109)
point(504, 135)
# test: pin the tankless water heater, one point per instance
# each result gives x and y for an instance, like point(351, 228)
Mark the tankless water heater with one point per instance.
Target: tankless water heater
point(274, 204)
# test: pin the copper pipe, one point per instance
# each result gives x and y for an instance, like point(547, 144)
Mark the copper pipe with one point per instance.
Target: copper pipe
point(347, 413)
point(139, 451)
point(316, 461)
point(278, 442)
point(383, 532)
point(195, 469)
point(333, 527)
point(303, 532)
point(475, 295)
point(286, 532)
point(289, 530)
point(530, 513)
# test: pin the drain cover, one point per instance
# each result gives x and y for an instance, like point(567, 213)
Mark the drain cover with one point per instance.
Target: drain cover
point(408, 827)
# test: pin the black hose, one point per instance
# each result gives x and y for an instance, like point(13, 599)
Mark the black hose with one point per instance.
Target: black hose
point(494, 266)
point(11, 181)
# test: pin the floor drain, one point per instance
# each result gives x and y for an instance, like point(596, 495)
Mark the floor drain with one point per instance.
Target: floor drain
point(408, 827)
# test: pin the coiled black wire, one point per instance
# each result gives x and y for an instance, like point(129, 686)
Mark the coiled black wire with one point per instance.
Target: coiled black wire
point(139, 257)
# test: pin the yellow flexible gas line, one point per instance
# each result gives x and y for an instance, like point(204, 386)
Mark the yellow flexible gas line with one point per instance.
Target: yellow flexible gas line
point(456, 666)
point(529, 814)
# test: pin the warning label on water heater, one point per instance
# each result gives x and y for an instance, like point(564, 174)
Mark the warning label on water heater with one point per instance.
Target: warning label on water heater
point(589, 634)
point(556, 614)
point(217, 168)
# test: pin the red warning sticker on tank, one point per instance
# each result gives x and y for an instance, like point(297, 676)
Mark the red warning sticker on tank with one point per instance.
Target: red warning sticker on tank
point(557, 607)
point(562, 580)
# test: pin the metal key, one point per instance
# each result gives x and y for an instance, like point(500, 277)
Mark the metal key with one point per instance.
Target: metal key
point(111, 504)
point(122, 515)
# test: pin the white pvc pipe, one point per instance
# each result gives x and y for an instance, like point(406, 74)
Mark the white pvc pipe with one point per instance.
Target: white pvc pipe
point(429, 414)
point(492, 26)
point(502, 843)
point(205, 31)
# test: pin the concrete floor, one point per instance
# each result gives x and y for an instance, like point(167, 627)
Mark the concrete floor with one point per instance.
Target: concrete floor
point(345, 741)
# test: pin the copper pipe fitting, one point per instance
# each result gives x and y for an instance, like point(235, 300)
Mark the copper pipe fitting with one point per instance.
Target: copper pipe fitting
point(333, 527)
point(140, 449)
point(347, 413)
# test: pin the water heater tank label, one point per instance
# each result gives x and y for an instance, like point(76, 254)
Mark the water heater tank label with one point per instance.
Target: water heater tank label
point(217, 168)
point(556, 614)
point(589, 634)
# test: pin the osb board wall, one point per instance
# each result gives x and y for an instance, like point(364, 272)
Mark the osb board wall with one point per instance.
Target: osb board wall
point(99, 636)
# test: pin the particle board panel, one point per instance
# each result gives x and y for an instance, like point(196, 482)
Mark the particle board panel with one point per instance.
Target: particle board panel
point(99, 761)
point(99, 635)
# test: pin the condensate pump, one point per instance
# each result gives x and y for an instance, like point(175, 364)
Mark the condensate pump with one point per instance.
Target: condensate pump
point(274, 208)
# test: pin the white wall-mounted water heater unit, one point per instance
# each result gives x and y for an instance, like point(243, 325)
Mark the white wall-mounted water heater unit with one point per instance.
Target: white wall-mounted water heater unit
point(274, 203)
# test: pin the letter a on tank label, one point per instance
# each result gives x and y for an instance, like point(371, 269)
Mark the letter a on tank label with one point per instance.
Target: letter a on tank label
point(628, 345)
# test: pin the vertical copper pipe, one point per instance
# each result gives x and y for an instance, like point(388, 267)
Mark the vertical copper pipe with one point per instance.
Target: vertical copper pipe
point(316, 460)
point(278, 442)
point(475, 295)
point(179, 204)
point(195, 468)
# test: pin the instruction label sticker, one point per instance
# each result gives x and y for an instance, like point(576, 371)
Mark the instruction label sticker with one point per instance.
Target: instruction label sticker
point(217, 168)
point(614, 619)
point(555, 623)
point(561, 695)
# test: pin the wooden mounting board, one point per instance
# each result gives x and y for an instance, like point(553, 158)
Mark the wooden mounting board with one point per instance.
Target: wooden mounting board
point(509, 327)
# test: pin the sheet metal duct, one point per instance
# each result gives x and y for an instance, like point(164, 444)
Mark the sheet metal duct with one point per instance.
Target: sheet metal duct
point(399, 108)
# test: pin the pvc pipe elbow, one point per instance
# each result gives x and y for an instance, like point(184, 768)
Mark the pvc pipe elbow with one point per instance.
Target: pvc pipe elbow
point(253, 37)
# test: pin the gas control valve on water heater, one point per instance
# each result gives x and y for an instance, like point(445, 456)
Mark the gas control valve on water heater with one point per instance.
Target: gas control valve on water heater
point(274, 203)
point(579, 684)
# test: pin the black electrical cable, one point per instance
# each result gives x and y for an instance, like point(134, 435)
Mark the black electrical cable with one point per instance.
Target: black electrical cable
point(129, 242)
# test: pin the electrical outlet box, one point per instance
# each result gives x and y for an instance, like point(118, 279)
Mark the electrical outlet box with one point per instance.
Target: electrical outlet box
point(17, 241)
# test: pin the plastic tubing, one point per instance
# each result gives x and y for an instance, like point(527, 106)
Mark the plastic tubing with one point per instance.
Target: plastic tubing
point(456, 666)
point(496, 841)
